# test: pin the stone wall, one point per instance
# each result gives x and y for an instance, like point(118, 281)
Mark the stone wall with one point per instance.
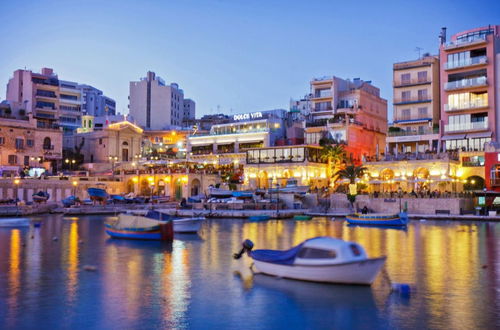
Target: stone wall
point(415, 205)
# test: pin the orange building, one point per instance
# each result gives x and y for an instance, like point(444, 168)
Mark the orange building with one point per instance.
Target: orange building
point(348, 112)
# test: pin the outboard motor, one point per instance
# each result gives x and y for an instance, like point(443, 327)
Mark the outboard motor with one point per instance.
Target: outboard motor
point(247, 246)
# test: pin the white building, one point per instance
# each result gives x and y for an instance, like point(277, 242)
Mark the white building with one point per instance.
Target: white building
point(154, 105)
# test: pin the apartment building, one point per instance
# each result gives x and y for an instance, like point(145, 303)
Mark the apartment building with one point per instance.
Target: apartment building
point(350, 112)
point(155, 105)
point(416, 106)
point(470, 105)
point(95, 103)
point(53, 102)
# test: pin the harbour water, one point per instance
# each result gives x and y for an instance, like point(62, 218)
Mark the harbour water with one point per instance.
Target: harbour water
point(453, 269)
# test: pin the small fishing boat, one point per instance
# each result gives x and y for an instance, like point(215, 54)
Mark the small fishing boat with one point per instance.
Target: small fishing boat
point(319, 259)
point(378, 219)
point(69, 201)
point(40, 197)
point(14, 222)
point(145, 227)
point(262, 217)
point(97, 194)
point(181, 225)
point(302, 217)
point(118, 199)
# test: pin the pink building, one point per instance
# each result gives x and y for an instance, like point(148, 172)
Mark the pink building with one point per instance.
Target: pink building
point(470, 73)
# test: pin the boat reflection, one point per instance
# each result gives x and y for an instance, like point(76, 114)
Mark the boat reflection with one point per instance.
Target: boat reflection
point(401, 228)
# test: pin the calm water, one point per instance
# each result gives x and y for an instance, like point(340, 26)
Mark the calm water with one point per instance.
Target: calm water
point(194, 283)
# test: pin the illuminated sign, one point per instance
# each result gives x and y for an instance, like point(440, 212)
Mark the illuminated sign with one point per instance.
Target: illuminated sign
point(244, 116)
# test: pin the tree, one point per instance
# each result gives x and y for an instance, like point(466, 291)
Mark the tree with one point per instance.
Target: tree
point(351, 172)
point(334, 154)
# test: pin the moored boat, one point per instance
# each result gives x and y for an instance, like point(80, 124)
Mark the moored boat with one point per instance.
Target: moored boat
point(302, 217)
point(291, 187)
point(261, 217)
point(181, 225)
point(319, 259)
point(14, 222)
point(378, 219)
point(140, 227)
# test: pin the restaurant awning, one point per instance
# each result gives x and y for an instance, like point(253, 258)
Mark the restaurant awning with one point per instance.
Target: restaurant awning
point(453, 137)
point(479, 135)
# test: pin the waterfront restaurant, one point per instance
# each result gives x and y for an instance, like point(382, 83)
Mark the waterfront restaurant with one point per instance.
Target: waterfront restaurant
point(416, 172)
point(267, 167)
point(227, 143)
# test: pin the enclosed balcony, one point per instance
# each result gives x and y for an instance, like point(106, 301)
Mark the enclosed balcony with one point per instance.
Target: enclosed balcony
point(470, 126)
point(478, 104)
point(473, 61)
point(466, 83)
point(466, 41)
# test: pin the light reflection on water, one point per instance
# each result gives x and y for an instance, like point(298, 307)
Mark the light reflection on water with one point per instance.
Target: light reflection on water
point(194, 283)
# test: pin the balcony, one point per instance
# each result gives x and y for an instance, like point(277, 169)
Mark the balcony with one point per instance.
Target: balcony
point(411, 82)
point(466, 106)
point(427, 131)
point(495, 181)
point(480, 60)
point(411, 119)
point(473, 40)
point(323, 94)
point(466, 83)
point(44, 125)
point(471, 126)
point(410, 100)
point(47, 94)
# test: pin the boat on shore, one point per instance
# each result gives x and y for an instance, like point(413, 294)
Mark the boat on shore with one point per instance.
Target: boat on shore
point(319, 259)
point(291, 187)
point(378, 219)
point(97, 194)
point(40, 197)
point(141, 227)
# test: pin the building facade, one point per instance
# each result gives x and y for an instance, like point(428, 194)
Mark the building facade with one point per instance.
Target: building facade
point(348, 112)
point(154, 105)
point(24, 145)
point(416, 106)
point(94, 103)
point(470, 107)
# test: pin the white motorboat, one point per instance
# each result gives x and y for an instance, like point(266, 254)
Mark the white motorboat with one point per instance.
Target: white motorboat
point(320, 259)
point(291, 188)
point(14, 222)
point(187, 225)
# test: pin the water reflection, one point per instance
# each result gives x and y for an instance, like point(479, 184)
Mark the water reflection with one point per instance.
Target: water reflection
point(190, 283)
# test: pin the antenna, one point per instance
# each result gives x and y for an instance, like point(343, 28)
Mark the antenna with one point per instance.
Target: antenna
point(418, 49)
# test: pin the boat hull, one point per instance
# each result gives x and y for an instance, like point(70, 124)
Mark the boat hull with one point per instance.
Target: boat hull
point(302, 217)
point(358, 272)
point(364, 219)
point(163, 233)
point(15, 222)
point(191, 225)
point(259, 217)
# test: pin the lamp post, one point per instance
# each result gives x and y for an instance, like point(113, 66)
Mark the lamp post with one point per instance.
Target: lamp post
point(75, 183)
point(400, 193)
point(113, 160)
point(16, 182)
point(278, 201)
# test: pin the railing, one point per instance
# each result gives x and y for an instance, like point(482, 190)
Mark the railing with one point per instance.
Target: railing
point(256, 130)
point(46, 125)
point(416, 156)
point(416, 132)
point(409, 82)
point(43, 93)
point(495, 181)
point(466, 62)
point(464, 83)
point(466, 105)
point(463, 42)
point(412, 100)
point(47, 147)
point(322, 109)
point(407, 118)
point(466, 126)
point(322, 94)
point(473, 164)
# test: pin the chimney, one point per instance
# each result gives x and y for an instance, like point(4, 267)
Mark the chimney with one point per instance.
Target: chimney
point(442, 35)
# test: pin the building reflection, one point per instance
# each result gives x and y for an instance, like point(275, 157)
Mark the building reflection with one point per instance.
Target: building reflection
point(14, 276)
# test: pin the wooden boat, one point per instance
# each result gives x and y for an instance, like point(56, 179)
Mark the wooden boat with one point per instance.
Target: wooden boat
point(69, 201)
point(319, 259)
point(14, 222)
point(140, 227)
point(302, 217)
point(40, 197)
point(378, 219)
point(262, 217)
point(181, 225)
point(97, 194)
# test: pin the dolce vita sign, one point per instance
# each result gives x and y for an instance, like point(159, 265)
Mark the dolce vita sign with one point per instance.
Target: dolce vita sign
point(245, 116)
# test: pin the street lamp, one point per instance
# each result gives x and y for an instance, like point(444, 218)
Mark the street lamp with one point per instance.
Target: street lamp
point(278, 201)
point(113, 160)
point(400, 193)
point(16, 182)
point(75, 183)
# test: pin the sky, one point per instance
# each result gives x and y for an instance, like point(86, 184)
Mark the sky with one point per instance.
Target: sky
point(230, 56)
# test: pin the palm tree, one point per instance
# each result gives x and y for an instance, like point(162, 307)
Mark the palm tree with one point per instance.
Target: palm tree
point(351, 172)
point(334, 154)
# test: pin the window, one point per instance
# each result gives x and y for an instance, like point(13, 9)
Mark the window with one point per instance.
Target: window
point(422, 112)
point(100, 141)
point(405, 78)
point(47, 145)
point(12, 159)
point(405, 114)
point(422, 94)
point(30, 143)
point(405, 96)
point(312, 253)
point(355, 250)
point(422, 76)
point(26, 160)
point(2, 140)
point(19, 144)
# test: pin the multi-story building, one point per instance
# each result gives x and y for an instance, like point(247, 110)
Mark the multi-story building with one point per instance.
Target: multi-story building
point(51, 100)
point(24, 144)
point(95, 103)
point(189, 110)
point(154, 105)
point(416, 106)
point(348, 112)
point(302, 106)
point(470, 108)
